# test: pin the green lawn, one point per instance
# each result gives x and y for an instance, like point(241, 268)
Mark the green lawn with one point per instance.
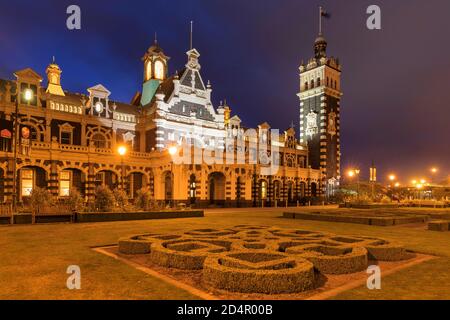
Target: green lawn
point(34, 259)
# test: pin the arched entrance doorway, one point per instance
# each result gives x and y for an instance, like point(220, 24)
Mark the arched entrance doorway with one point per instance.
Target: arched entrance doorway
point(168, 186)
point(290, 191)
point(313, 189)
point(136, 183)
point(216, 188)
point(107, 178)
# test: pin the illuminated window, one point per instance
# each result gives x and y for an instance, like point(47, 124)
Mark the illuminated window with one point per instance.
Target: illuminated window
point(159, 70)
point(148, 71)
point(65, 179)
point(26, 181)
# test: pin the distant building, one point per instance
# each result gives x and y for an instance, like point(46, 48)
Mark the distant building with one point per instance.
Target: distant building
point(69, 141)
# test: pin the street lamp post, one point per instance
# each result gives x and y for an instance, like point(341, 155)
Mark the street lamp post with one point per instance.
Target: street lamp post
point(173, 150)
point(355, 173)
point(122, 150)
point(27, 95)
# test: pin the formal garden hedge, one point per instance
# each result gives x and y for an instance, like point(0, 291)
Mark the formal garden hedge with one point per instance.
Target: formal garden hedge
point(262, 259)
point(439, 225)
point(258, 271)
point(375, 218)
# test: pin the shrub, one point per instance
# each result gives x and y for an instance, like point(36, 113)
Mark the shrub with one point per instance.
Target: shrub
point(121, 198)
point(144, 199)
point(104, 199)
point(258, 271)
point(40, 197)
point(75, 201)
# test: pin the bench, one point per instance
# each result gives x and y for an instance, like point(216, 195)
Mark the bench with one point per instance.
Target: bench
point(54, 213)
point(6, 214)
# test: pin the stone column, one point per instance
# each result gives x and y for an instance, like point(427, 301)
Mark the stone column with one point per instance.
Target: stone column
point(52, 183)
point(90, 183)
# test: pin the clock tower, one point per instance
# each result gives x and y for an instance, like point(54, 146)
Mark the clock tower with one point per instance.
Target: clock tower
point(320, 95)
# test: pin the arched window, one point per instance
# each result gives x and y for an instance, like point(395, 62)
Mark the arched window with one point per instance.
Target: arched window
point(148, 70)
point(312, 84)
point(306, 85)
point(99, 141)
point(159, 70)
point(318, 82)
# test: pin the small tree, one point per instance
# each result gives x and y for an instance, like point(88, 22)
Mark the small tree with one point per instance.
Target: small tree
point(104, 199)
point(40, 197)
point(144, 199)
point(121, 198)
point(75, 201)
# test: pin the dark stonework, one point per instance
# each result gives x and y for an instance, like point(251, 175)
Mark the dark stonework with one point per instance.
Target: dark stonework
point(200, 111)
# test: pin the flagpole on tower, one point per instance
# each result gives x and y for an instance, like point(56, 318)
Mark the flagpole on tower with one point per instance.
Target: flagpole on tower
point(191, 34)
point(320, 20)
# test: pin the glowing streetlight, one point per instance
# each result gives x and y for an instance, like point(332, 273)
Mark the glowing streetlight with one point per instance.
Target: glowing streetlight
point(122, 150)
point(355, 173)
point(434, 170)
point(397, 184)
point(392, 177)
point(173, 150)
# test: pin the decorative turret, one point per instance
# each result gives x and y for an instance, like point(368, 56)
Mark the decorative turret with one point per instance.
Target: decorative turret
point(155, 71)
point(54, 79)
point(155, 63)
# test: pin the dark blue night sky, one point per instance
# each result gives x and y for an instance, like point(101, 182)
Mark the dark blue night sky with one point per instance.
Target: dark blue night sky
point(395, 108)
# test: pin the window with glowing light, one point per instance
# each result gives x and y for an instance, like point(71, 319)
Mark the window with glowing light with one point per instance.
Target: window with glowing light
point(148, 71)
point(65, 179)
point(26, 182)
point(159, 70)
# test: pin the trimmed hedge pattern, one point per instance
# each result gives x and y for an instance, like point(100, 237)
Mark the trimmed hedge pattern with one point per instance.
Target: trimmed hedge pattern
point(375, 218)
point(262, 259)
point(439, 225)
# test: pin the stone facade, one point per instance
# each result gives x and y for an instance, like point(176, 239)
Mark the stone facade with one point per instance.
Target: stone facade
point(68, 141)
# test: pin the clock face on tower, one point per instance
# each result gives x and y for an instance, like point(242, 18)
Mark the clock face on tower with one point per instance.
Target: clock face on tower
point(98, 107)
point(159, 70)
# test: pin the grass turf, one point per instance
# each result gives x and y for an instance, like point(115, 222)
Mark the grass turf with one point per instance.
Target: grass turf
point(34, 259)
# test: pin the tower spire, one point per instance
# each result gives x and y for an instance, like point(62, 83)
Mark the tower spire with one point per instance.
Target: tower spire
point(156, 37)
